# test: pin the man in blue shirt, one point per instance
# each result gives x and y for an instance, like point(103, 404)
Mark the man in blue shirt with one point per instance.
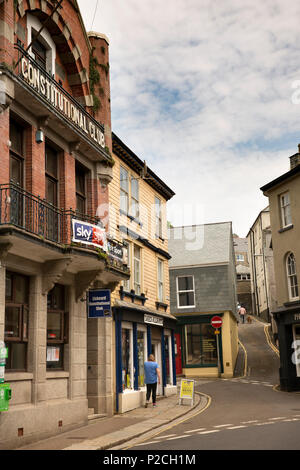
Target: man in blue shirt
point(152, 375)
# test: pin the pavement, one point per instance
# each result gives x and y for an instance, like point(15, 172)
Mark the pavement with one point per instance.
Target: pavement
point(109, 432)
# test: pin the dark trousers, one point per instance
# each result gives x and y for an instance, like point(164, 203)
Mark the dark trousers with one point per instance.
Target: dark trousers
point(151, 388)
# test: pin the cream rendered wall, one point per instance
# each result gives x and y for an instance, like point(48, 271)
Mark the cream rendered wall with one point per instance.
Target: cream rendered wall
point(147, 218)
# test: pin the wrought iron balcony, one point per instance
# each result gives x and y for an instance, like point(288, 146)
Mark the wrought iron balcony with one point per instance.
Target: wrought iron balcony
point(36, 216)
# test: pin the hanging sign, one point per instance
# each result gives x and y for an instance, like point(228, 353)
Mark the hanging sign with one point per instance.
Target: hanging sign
point(90, 234)
point(99, 303)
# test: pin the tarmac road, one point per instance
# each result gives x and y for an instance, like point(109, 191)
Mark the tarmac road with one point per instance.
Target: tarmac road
point(246, 413)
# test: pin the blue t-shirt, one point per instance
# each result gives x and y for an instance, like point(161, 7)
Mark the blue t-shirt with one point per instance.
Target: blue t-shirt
point(150, 372)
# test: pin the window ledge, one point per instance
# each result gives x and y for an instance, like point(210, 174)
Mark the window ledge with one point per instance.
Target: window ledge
point(161, 304)
point(18, 376)
point(131, 217)
point(285, 229)
point(132, 295)
point(58, 374)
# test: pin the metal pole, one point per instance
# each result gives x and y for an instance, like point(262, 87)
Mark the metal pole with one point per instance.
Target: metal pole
point(218, 352)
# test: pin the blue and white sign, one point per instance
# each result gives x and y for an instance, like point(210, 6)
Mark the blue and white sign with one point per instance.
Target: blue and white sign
point(83, 232)
point(99, 303)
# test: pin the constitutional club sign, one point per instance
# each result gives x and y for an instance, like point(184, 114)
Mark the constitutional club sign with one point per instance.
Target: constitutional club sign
point(48, 89)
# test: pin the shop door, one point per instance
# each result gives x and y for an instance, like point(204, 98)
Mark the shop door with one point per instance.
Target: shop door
point(178, 359)
point(156, 350)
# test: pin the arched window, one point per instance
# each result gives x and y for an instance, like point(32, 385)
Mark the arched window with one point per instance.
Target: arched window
point(292, 277)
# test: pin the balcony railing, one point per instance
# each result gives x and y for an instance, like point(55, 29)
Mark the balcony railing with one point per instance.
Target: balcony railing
point(37, 216)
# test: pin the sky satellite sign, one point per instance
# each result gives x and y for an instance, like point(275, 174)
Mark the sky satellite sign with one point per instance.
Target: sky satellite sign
point(84, 232)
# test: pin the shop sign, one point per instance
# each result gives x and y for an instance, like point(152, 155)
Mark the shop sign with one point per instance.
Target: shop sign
point(48, 89)
point(187, 390)
point(99, 303)
point(153, 320)
point(90, 234)
point(115, 250)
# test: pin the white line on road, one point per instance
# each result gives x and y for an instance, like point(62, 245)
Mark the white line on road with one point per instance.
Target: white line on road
point(263, 424)
point(279, 417)
point(195, 430)
point(223, 425)
point(178, 437)
point(250, 422)
point(237, 427)
point(164, 437)
point(146, 443)
point(209, 432)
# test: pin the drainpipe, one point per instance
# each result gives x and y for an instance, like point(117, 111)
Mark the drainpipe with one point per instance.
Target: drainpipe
point(265, 278)
point(254, 271)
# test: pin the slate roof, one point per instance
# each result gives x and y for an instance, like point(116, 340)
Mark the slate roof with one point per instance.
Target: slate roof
point(200, 244)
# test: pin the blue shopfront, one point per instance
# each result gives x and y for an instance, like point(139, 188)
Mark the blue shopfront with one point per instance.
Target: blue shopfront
point(138, 333)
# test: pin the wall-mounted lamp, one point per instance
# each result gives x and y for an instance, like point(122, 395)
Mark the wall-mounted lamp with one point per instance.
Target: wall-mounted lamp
point(39, 136)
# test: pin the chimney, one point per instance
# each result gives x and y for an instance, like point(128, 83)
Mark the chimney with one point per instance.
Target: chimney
point(101, 86)
point(295, 159)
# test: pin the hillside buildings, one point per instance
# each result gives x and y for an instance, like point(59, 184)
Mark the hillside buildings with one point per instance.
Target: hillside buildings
point(203, 284)
point(284, 196)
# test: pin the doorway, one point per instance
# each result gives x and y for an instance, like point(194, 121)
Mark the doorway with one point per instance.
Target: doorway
point(156, 351)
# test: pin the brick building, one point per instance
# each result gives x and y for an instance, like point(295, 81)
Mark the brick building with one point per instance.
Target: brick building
point(55, 168)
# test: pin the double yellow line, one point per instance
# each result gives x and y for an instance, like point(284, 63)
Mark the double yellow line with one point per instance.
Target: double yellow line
point(272, 346)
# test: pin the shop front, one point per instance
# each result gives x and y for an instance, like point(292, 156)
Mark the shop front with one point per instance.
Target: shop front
point(140, 332)
point(288, 323)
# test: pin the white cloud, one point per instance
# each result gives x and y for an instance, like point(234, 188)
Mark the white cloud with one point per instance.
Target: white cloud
point(202, 90)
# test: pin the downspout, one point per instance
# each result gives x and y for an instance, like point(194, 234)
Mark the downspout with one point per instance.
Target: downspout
point(254, 271)
point(265, 279)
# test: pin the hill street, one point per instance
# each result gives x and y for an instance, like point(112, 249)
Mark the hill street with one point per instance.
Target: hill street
point(245, 413)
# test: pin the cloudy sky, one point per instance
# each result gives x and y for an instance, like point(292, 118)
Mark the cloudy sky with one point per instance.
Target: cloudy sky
point(208, 93)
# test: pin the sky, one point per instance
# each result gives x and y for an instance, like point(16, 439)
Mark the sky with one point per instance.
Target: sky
point(208, 93)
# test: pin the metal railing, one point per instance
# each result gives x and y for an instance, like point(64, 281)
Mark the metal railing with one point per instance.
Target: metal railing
point(30, 213)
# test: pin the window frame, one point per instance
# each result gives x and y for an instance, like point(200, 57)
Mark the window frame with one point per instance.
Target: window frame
point(185, 291)
point(22, 307)
point(291, 276)
point(64, 326)
point(81, 171)
point(160, 282)
point(124, 191)
point(134, 259)
point(285, 210)
point(134, 201)
point(158, 217)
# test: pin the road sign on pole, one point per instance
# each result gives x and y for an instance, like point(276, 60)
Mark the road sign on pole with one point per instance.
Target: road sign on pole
point(217, 322)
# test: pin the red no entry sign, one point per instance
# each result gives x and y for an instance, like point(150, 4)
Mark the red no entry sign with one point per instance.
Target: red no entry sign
point(216, 322)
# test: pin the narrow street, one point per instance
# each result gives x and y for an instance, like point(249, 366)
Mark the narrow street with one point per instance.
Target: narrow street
point(246, 413)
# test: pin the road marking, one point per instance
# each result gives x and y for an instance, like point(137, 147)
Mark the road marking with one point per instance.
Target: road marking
point(164, 437)
point(263, 424)
point(279, 417)
point(291, 419)
point(146, 443)
point(237, 427)
point(195, 430)
point(178, 437)
point(250, 422)
point(209, 432)
point(223, 425)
